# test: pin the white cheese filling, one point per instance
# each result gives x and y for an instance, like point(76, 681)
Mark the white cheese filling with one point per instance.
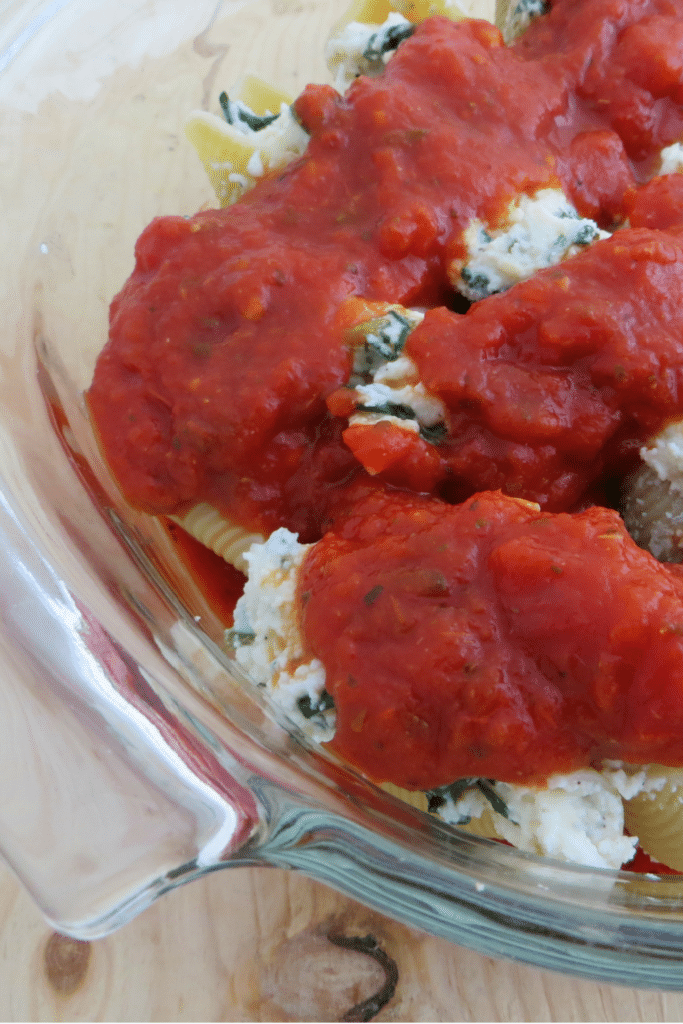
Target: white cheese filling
point(519, 15)
point(362, 49)
point(275, 145)
point(671, 159)
point(280, 142)
point(577, 817)
point(266, 637)
point(386, 383)
point(537, 231)
point(396, 394)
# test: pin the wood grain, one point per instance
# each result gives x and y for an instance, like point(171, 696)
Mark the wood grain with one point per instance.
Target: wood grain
point(250, 945)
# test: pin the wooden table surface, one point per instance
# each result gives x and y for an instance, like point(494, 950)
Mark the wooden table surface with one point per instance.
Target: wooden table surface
point(246, 944)
point(251, 945)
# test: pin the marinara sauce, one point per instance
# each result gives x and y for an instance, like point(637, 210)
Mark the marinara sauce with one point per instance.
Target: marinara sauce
point(552, 384)
point(493, 639)
point(225, 342)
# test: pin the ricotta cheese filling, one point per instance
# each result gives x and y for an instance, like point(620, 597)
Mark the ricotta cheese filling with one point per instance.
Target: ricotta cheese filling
point(538, 231)
point(671, 159)
point(277, 139)
point(386, 382)
point(578, 817)
point(277, 142)
point(396, 394)
point(519, 15)
point(266, 638)
point(362, 49)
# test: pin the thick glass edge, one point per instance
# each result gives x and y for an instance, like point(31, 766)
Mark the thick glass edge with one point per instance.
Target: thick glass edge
point(485, 917)
point(117, 793)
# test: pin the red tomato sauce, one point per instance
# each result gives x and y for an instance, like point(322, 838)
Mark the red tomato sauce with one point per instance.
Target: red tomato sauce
point(225, 342)
point(658, 204)
point(514, 643)
point(484, 638)
point(551, 384)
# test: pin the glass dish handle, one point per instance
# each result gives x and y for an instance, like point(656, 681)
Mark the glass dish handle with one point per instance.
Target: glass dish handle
point(107, 798)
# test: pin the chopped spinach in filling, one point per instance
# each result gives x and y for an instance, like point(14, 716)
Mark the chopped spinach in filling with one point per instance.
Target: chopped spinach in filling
point(310, 708)
point(235, 638)
point(451, 794)
point(242, 116)
point(520, 15)
point(383, 341)
point(397, 409)
point(386, 39)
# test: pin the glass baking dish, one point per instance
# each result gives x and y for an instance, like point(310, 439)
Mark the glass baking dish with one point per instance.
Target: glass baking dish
point(133, 758)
